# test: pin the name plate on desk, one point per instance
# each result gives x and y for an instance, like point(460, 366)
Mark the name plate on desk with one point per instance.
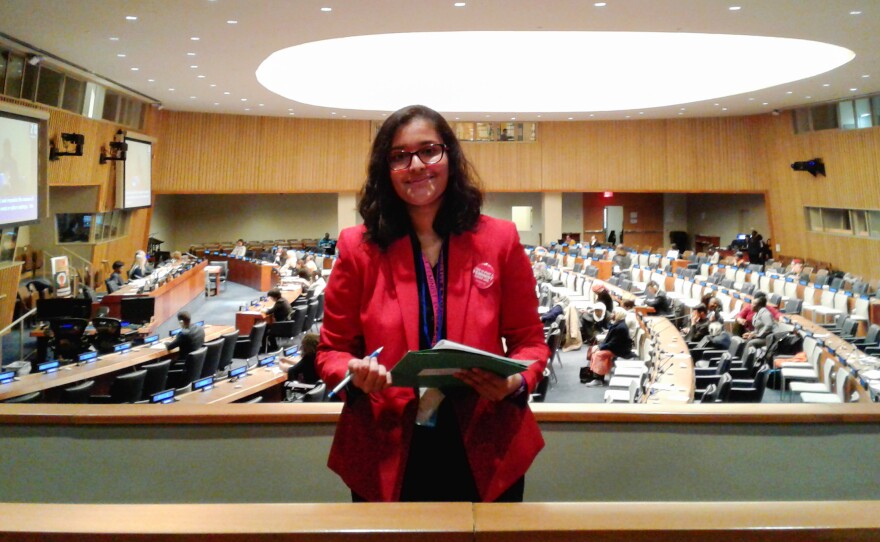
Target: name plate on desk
point(151, 339)
point(48, 367)
point(122, 347)
point(238, 372)
point(268, 361)
point(6, 377)
point(163, 397)
point(174, 332)
point(291, 351)
point(203, 384)
point(88, 357)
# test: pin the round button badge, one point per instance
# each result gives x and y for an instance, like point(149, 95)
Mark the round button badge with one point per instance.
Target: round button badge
point(484, 275)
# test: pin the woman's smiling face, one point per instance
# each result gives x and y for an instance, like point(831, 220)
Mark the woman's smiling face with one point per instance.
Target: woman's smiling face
point(419, 185)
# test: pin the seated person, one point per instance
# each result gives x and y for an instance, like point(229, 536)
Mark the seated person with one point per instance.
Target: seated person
point(239, 250)
point(289, 263)
point(699, 324)
point(592, 322)
point(763, 323)
point(717, 339)
point(714, 310)
point(115, 281)
point(176, 259)
point(617, 343)
point(621, 259)
point(304, 370)
point(318, 284)
point(140, 268)
point(310, 263)
point(656, 299)
point(744, 317)
point(280, 311)
point(602, 296)
point(542, 272)
point(189, 339)
point(632, 322)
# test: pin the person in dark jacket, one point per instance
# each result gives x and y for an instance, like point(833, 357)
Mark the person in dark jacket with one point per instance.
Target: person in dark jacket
point(189, 339)
point(617, 343)
point(280, 311)
point(115, 281)
point(656, 299)
point(699, 325)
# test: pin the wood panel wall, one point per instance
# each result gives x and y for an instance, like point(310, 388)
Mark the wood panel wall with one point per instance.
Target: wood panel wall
point(10, 275)
point(200, 153)
point(86, 172)
point(203, 153)
point(648, 232)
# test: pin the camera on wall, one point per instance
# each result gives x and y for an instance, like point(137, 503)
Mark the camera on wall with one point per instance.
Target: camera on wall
point(814, 166)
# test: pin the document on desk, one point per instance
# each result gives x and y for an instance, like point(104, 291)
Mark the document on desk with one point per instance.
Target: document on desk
point(435, 368)
point(157, 346)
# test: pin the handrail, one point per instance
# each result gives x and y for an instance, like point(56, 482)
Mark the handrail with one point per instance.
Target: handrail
point(77, 256)
point(20, 321)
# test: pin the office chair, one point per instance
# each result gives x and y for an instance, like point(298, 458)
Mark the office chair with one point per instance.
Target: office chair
point(310, 315)
point(126, 388)
point(744, 391)
point(280, 330)
point(77, 394)
point(68, 337)
point(212, 357)
point(108, 332)
point(156, 378)
point(192, 369)
point(226, 353)
point(33, 397)
point(247, 349)
point(257, 399)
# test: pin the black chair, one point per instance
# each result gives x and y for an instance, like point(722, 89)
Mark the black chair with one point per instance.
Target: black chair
point(257, 399)
point(316, 394)
point(126, 388)
point(247, 349)
point(192, 369)
point(871, 338)
point(224, 273)
point(750, 391)
point(710, 394)
point(156, 379)
point(212, 357)
point(310, 315)
point(33, 397)
point(108, 333)
point(319, 314)
point(229, 340)
point(68, 337)
point(793, 306)
point(280, 334)
point(77, 394)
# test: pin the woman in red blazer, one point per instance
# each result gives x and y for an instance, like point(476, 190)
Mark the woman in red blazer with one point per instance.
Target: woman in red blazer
point(427, 266)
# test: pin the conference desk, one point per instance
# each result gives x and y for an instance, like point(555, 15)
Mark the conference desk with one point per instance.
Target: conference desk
point(170, 297)
point(245, 319)
point(107, 364)
point(258, 380)
point(844, 355)
point(672, 377)
point(253, 273)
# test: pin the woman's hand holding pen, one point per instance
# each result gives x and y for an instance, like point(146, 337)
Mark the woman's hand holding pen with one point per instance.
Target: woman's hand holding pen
point(490, 385)
point(368, 374)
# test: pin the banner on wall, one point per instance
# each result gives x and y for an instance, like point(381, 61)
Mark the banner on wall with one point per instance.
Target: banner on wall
point(61, 276)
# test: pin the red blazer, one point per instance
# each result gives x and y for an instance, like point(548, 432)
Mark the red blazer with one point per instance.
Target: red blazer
point(371, 300)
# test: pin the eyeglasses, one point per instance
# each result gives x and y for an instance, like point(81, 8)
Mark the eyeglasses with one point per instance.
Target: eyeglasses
point(400, 159)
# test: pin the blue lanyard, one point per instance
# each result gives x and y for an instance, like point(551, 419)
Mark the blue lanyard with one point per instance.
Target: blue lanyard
point(435, 290)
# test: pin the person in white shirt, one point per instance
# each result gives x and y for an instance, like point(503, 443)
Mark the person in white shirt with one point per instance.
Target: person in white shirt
point(239, 250)
point(289, 264)
point(310, 263)
point(318, 284)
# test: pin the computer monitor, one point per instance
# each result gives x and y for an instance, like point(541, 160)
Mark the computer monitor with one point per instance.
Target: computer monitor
point(63, 307)
point(137, 310)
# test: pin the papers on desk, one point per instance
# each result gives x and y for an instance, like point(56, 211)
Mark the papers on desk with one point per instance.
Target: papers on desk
point(873, 374)
point(157, 346)
point(255, 313)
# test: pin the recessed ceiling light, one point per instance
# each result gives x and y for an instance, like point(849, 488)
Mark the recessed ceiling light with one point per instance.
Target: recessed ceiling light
point(592, 115)
point(326, 10)
point(865, 76)
point(192, 97)
point(216, 103)
point(151, 80)
point(247, 108)
point(684, 109)
point(290, 113)
point(231, 22)
point(488, 116)
point(570, 118)
point(539, 116)
point(345, 116)
point(226, 93)
point(121, 55)
point(190, 54)
point(333, 112)
point(751, 99)
point(735, 8)
point(290, 109)
point(460, 4)
point(600, 4)
point(200, 76)
point(194, 38)
point(171, 89)
point(853, 89)
point(789, 92)
point(244, 99)
point(641, 112)
point(193, 66)
point(808, 97)
point(512, 118)
point(628, 116)
point(826, 84)
point(765, 103)
point(135, 69)
point(724, 109)
point(680, 113)
point(855, 12)
point(716, 105)
point(261, 105)
point(114, 38)
point(736, 64)
point(131, 18)
point(213, 85)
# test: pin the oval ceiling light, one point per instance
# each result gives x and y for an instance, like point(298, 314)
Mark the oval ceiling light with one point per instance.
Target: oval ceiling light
point(567, 71)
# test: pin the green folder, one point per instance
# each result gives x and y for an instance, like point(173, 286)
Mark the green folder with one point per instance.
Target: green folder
point(434, 368)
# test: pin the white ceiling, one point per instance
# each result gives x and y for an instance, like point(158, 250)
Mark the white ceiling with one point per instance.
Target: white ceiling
point(227, 55)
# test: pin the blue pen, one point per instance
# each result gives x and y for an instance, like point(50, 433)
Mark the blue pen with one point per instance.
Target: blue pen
point(347, 378)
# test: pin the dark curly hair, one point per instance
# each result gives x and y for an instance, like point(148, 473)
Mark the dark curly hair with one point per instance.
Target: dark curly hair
point(385, 214)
